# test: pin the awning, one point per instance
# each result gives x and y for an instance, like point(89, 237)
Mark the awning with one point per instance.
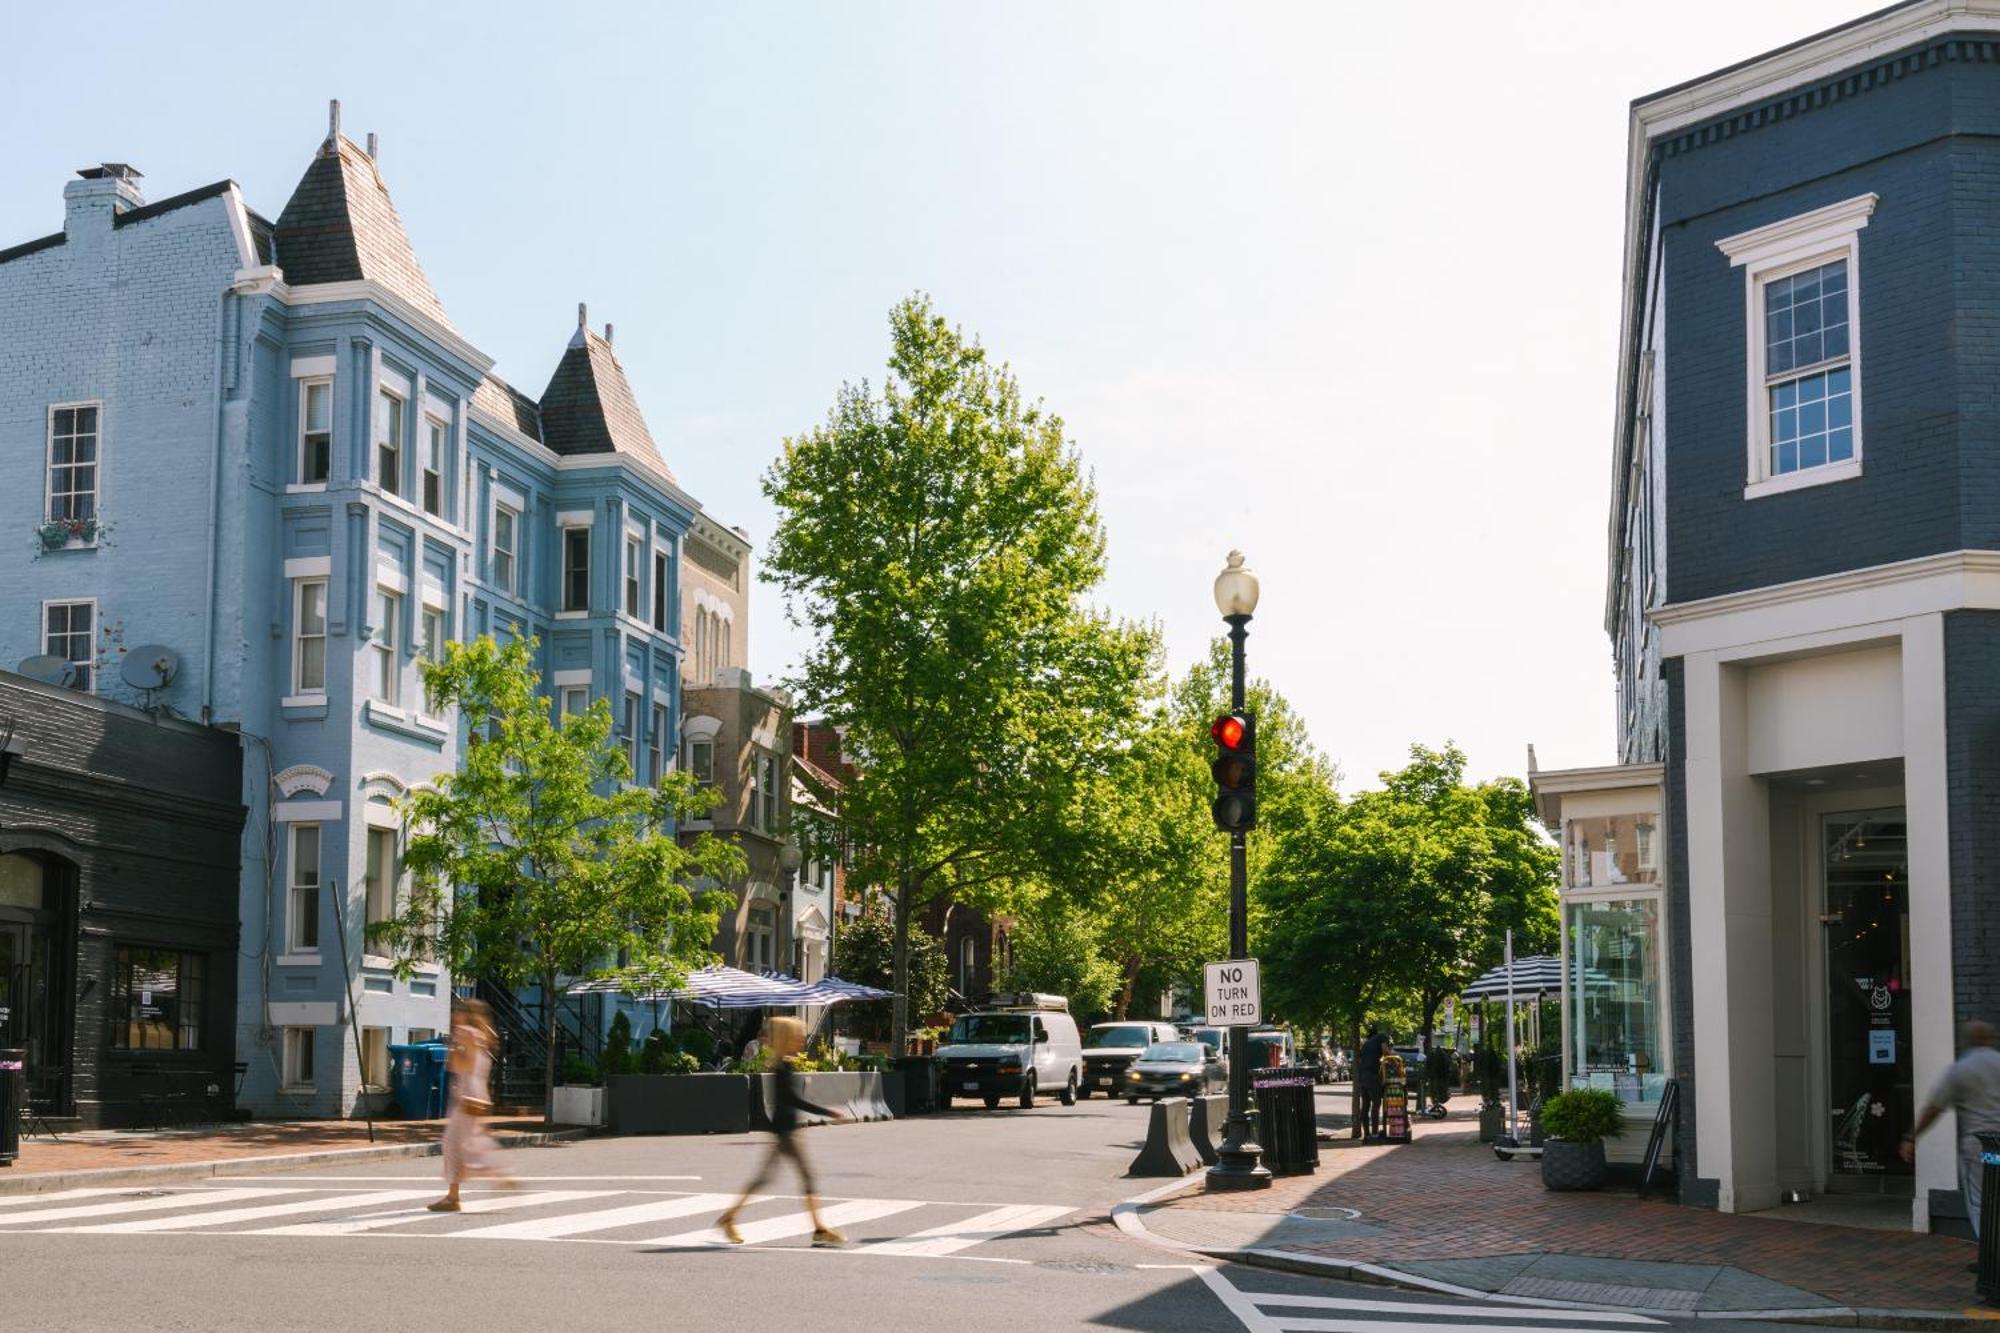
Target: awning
point(733, 988)
point(1535, 978)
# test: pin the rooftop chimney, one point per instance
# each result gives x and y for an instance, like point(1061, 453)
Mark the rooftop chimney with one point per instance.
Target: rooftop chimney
point(98, 195)
point(607, 335)
point(582, 315)
point(371, 145)
point(333, 121)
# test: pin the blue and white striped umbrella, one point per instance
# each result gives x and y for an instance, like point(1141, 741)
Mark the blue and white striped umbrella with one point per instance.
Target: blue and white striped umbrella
point(733, 988)
point(1534, 978)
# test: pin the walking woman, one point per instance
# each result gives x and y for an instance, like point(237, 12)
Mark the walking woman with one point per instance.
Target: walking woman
point(784, 1038)
point(468, 1149)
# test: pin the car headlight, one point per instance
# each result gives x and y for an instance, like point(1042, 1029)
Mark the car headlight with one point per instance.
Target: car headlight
point(1010, 1068)
point(1132, 1074)
point(1186, 1077)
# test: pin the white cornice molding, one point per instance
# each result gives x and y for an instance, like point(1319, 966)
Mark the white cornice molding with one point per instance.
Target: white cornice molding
point(1952, 581)
point(365, 289)
point(1806, 232)
point(1608, 777)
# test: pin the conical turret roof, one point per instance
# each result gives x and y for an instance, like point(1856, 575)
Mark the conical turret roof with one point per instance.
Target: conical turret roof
point(340, 226)
point(588, 407)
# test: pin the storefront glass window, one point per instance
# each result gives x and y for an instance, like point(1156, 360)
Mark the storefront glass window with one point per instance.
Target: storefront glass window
point(1614, 997)
point(156, 999)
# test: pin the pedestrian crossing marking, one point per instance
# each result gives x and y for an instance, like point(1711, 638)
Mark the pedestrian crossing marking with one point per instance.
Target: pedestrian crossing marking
point(21, 1200)
point(566, 1215)
point(144, 1203)
point(576, 1224)
point(488, 1203)
point(231, 1216)
point(1416, 1316)
point(955, 1236)
point(1462, 1311)
point(795, 1224)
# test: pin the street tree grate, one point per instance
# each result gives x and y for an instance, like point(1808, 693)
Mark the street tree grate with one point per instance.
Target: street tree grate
point(1603, 1293)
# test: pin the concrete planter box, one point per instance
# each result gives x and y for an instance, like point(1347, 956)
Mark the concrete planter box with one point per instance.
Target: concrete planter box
point(678, 1103)
point(860, 1096)
point(579, 1106)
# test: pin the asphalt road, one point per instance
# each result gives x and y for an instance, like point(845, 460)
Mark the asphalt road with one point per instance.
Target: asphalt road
point(972, 1221)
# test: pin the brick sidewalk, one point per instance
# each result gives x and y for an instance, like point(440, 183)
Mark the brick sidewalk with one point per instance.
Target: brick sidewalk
point(1446, 1197)
point(112, 1149)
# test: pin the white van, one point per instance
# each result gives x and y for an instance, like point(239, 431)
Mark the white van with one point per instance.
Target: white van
point(1020, 1046)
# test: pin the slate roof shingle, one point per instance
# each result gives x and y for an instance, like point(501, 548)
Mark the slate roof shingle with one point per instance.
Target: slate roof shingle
point(340, 226)
point(505, 403)
point(588, 407)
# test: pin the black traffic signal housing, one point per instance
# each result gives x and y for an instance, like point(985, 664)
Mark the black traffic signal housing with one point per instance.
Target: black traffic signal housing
point(1235, 770)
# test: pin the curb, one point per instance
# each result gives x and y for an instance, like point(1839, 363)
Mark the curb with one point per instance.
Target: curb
point(42, 1182)
point(1126, 1216)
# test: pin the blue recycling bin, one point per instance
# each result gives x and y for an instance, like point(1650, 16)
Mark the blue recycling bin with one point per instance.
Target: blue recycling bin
point(416, 1079)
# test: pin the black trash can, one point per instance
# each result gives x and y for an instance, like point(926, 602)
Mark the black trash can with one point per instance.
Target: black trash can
point(1287, 1128)
point(919, 1075)
point(13, 1085)
point(1989, 1214)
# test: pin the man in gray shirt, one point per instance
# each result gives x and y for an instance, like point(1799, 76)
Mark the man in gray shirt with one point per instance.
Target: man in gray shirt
point(1970, 1087)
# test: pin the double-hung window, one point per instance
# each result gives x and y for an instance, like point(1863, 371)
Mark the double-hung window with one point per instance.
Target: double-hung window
point(73, 464)
point(1803, 339)
point(506, 541)
point(769, 791)
point(309, 638)
point(299, 1058)
point(315, 430)
point(431, 641)
point(69, 631)
point(631, 737)
point(656, 745)
point(576, 569)
point(389, 431)
point(660, 591)
point(701, 761)
point(379, 901)
point(635, 558)
point(388, 666)
point(575, 700)
point(437, 437)
point(302, 934)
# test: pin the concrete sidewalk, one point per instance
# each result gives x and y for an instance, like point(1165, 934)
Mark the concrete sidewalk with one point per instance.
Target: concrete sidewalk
point(1444, 1212)
point(135, 1156)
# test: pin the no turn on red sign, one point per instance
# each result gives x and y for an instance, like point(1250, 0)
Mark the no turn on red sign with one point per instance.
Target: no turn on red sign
point(1234, 994)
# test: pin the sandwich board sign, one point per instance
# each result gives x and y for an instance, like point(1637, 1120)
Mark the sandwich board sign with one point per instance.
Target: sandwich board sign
point(1233, 994)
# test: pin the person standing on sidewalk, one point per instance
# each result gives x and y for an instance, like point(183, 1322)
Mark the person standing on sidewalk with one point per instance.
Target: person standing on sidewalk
point(1970, 1087)
point(1368, 1081)
point(785, 1038)
point(468, 1149)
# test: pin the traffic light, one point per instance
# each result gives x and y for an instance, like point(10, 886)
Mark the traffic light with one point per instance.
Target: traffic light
point(1235, 770)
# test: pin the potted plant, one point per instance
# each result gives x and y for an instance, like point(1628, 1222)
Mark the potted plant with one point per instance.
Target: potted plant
point(1577, 1123)
point(579, 1098)
point(1489, 1072)
point(1547, 1084)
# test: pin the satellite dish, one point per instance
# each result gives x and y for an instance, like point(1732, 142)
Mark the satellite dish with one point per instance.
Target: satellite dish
point(149, 666)
point(45, 667)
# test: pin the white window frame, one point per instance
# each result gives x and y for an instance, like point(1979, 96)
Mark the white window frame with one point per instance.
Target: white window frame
point(299, 636)
point(510, 583)
point(760, 936)
point(435, 463)
point(635, 560)
point(569, 533)
point(300, 1058)
point(631, 717)
point(299, 917)
point(773, 812)
point(387, 685)
point(661, 564)
point(699, 747)
point(381, 900)
point(96, 491)
point(306, 387)
point(1765, 254)
point(88, 663)
point(432, 634)
point(374, 1069)
point(399, 444)
point(573, 700)
point(656, 743)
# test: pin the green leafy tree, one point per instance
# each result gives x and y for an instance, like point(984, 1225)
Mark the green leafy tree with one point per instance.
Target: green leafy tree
point(938, 539)
point(865, 951)
point(537, 860)
point(1058, 950)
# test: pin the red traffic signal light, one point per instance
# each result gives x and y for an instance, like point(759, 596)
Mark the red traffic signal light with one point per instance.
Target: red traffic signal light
point(1235, 772)
point(1229, 730)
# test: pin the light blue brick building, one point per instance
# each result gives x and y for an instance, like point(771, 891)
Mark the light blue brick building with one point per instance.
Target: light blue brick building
point(265, 446)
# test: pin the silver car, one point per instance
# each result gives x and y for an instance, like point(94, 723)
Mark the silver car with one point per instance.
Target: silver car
point(1174, 1069)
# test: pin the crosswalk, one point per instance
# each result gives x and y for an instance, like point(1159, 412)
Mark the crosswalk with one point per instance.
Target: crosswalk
point(644, 1218)
point(1297, 1312)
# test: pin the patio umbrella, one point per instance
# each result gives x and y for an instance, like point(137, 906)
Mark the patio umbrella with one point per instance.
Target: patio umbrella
point(1533, 978)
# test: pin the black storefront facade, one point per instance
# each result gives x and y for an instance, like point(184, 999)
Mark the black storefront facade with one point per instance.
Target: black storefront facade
point(120, 836)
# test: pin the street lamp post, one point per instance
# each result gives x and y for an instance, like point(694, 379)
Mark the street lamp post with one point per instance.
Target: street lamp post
point(1239, 1160)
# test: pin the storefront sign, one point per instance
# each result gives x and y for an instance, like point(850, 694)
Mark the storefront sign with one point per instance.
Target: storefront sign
point(1234, 995)
point(1882, 1046)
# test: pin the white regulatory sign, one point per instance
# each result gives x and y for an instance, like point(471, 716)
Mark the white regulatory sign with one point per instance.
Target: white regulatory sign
point(1234, 994)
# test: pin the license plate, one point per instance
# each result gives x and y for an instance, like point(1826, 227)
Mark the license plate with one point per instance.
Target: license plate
point(972, 1087)
point(1105, 1082)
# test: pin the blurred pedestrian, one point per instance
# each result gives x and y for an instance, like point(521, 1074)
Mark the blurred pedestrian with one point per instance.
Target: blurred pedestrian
point(1368, 1081)
point(1970, 1087)
point(785, 1038)
point(468, 1149)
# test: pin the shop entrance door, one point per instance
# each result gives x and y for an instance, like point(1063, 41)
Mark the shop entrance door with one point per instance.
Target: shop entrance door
point(1866, 922)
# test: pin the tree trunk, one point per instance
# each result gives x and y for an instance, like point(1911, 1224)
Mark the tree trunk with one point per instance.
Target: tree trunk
point(548, 1047)
point(1125, 991)
point(899, 974)
point(1354, 1078)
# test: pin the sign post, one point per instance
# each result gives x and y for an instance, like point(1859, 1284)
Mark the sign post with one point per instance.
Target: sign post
point(1233, 994)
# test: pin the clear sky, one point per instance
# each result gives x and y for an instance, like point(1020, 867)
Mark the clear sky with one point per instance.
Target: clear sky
point(1334, 283)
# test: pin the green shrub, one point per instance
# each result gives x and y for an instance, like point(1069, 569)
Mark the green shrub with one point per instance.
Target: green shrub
point(578, 1072)
point(654, 1055)
point(1489, 1071)
point(617, 1057)
point(697, 1042)
point(681, 1062)
point(1583, 1115)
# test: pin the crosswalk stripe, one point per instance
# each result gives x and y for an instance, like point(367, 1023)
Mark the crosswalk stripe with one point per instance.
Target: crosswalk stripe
point(140, 1205)
point(795, 1224)
point(1398, 1325)
point(1460, 1311)
point(605, 1219)
point(956, 1236)
point(231, 1216)
point(20, 1200)
point(488, 1203)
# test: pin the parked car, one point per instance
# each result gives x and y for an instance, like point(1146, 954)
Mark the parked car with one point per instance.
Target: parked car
point(1112, 1047)
point(1018, 1050)
point(1174, 1069)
